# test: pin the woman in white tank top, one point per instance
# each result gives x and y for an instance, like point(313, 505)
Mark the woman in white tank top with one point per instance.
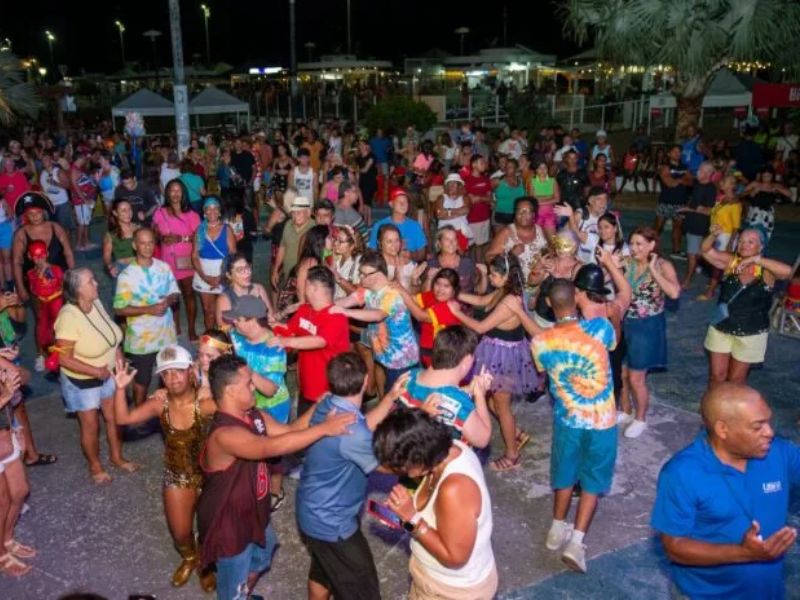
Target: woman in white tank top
point(450, 514)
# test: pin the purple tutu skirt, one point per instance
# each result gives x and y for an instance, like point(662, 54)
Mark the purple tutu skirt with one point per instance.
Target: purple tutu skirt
point(510, 364)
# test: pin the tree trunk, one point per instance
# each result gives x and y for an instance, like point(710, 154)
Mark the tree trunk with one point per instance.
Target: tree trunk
point(688, 113)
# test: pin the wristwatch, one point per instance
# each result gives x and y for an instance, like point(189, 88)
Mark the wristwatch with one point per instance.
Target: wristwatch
point(411, 525)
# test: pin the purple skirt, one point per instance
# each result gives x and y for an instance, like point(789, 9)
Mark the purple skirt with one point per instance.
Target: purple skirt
point(510, 364)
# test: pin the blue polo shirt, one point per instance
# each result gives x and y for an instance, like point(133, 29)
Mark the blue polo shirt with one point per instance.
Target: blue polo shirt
point(413, 237)
point(699, 497)
point(333, 482)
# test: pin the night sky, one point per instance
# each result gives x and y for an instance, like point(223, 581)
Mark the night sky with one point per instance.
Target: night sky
point(258, 31)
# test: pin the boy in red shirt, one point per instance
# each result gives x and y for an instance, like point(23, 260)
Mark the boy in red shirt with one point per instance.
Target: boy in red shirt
point(45, 282)
point(317, 334)
point(478, 187)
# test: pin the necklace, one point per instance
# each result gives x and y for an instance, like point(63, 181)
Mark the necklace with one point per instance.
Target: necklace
point(567, 319)
point(106, 323)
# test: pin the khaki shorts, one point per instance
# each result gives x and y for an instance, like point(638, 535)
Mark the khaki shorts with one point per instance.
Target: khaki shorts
point(480, 232)
point(744, 348)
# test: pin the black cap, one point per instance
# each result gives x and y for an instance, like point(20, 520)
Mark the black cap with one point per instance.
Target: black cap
point(33, 199)
point(591, 278)
point(126, 174)
point(247, 307)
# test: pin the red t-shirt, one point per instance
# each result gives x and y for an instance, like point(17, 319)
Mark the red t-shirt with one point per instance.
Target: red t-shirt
point(441, 317)
point(478, 186)
point(311, 364)
point(44, 285)
point(12, 187)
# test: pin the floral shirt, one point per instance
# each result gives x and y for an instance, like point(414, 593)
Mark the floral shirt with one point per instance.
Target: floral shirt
point(648, 297)
point(392, 340)
point(146, 286)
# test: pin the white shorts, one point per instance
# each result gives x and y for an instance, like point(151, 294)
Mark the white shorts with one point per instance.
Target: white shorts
point(14, 454)
point(480, 232)
point(83, 214)
point(212, 268)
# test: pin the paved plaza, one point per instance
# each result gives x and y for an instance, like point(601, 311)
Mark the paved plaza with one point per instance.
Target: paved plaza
point(113, 540)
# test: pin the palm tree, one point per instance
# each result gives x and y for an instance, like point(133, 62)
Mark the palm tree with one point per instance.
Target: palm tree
point(18, 99)
point(696, 38)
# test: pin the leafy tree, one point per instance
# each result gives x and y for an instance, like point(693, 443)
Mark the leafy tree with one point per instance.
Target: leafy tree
point(398, 112)
point(18, 99)
point(696, 37)
point(526, 111)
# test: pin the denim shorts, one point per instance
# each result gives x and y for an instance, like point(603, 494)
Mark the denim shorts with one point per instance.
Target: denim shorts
point(78, 400)
point(232, 571)
point(583, 455)
point(6, 234)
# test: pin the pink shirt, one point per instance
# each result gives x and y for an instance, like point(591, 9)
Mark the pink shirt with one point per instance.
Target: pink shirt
point(184, 225)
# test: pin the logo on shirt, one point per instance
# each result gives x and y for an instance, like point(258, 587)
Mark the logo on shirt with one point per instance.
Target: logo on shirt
point(771, 487)
point(308, 326)
point(259, 425)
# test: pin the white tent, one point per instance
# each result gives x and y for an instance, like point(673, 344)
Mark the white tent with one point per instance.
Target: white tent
point(146, 103)
point(213, 101)
point(727, 89)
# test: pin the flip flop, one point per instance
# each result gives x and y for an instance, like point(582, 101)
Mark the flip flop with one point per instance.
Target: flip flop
point(44, 459)
point(101, 478)
point(18, 550)
point(523, 437)
point(127, 466)
point(504, 463)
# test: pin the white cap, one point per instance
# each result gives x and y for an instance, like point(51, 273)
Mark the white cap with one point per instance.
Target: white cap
point(601, 133)
point(454, 178)
point(173, 357)
point(300, 203)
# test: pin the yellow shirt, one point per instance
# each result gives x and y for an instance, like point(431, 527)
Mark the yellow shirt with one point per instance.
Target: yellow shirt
point(96, 336)
point(728, 216)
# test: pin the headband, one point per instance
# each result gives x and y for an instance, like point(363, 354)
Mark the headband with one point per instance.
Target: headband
point(210, 201)
point(207, 340)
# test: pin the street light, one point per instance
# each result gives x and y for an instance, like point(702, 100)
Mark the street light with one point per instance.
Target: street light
point(462, 31)
point(50, 39)
point(121, 28)
point(310, 47)
point(5, 45)
point(206, 14)
point(153, 34)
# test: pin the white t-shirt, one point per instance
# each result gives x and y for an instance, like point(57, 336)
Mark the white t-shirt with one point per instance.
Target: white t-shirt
point(559, 155)
point(586, 249)
point(512, 148)
point(787, 143)
point(167, 175)
point(49, 181)
point(304, 182)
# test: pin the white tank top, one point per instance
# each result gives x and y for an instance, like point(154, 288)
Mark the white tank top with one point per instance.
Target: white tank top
point(533, 249)
point(304, 182)
point(58, 195)
point(481, 561)
point(459, 223)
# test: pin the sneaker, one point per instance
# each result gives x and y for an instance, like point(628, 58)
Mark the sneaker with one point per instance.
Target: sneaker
point(277, 500)
point(38, 366)
point(294, 473)
point(678, 256)
point(624, 418)
point(635, 429)
point(558, 534)
point(574, 556)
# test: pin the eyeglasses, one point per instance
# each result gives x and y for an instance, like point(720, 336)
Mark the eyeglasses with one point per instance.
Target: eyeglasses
point(243, 269)
point(341, 241)
point(365, 275)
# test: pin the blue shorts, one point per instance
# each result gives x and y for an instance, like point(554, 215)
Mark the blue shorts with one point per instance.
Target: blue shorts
point(583, 455)
point(81, 399)
point(6, 234)
point(232, 572)
point(280, 412)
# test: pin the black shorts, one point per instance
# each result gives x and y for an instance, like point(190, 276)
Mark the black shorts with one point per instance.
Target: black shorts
point(346, 567)
point(144, 365)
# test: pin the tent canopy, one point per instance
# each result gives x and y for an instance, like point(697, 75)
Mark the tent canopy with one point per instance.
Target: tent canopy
point(213, 101)
point(146, 103)
point(727, 89)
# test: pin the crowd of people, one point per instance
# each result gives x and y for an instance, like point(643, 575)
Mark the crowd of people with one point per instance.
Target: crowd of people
point(503, 272)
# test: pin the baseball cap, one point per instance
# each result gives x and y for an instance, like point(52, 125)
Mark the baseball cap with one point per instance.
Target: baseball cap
point(454, 178)
point(396, 194)
point(247, 307)
point(173, 357)
point(300, 203)
point(601, 133)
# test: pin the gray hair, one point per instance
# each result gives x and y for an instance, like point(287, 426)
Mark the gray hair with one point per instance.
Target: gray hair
point(706, 165)
point(72, 283)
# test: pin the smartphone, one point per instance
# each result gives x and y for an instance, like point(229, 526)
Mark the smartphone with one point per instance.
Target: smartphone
point(384, 514)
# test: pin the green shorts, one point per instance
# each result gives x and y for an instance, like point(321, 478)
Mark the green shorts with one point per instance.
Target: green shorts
point(583, 455)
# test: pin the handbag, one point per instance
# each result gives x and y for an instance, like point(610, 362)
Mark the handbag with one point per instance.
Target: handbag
point(182, 263)
point(721, 311)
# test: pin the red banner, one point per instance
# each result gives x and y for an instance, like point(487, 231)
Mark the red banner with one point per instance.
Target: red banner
point(776, 95)
point(655, 112)
point(740, 112)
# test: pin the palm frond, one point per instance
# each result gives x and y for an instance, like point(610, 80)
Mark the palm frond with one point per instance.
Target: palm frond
point(18, 99)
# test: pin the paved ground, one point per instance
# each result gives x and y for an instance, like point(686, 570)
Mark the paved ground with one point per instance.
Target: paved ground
point(113, 540)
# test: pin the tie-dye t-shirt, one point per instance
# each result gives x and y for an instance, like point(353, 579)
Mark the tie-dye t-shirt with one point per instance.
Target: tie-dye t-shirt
point(575, 358)
point(393, 341)
point(146, 286)
point(270, 363)
point(455, 404)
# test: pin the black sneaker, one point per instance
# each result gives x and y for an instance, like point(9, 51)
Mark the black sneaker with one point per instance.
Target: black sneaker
point(277, 500)
point(533, 396)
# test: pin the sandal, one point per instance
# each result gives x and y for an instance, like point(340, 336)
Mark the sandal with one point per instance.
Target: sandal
point(127, 466)
point(44, 459)
point(703, 297)
point(505, 463)
point(12, 566)
point(101, 478)
point(523, 437)
point(18, 550)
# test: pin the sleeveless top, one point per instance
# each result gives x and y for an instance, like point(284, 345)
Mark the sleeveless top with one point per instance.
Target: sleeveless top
point(505, 196)
point(121, 248)
point(55, 252)
point(233, 297)
point(182, 446)
point(304, 182)
point(647, 299)
point(233, 509)
point(748, 312)
point(542, 189)
point(481, 560)
point(507, 335)
point(531, 253)
point(213, 249)
point(678, 195)
point(458, 223)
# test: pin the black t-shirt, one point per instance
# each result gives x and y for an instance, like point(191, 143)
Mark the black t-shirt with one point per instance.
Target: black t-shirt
point(763, 200)
point(703, 194)
point(141, 199)
point(674, 196)
point(243, 162)
point(572, 186)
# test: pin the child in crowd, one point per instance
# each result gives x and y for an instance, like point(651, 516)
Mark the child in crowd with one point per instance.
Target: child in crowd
point(45, 282)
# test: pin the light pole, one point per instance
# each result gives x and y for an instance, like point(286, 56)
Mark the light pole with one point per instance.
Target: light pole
point(153, 35)
point(180, 93)
point(310, 47)
point(50, 39)
point(121, 28)
point(349, 36)
point(461, 32)
point(206, 14)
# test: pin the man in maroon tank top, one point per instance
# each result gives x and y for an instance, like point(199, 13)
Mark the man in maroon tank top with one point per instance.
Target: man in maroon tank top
point(233, 509)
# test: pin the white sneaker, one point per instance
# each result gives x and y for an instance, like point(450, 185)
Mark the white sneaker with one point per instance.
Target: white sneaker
point(38, 366)
point(558, 534)
point(574, 556)
point(624, 418)
point(294, 473)
point(635, 429)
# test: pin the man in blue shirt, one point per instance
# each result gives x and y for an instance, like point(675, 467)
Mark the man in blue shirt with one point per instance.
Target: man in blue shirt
point(413, 237)
point(333, 487)
point(381, 146)
point(722, 503)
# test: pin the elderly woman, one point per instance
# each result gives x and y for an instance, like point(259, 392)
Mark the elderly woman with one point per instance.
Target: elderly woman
point(449, 255)
point(450, 514)
point(88, 343)
point(739, 329)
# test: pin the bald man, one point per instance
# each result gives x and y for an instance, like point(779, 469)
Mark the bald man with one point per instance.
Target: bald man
point(722, 503)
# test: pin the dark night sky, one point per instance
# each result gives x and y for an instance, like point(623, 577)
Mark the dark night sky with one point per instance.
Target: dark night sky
point(243, 31)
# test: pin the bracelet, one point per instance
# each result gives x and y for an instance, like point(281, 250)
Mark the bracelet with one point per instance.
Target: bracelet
point(421, 529)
